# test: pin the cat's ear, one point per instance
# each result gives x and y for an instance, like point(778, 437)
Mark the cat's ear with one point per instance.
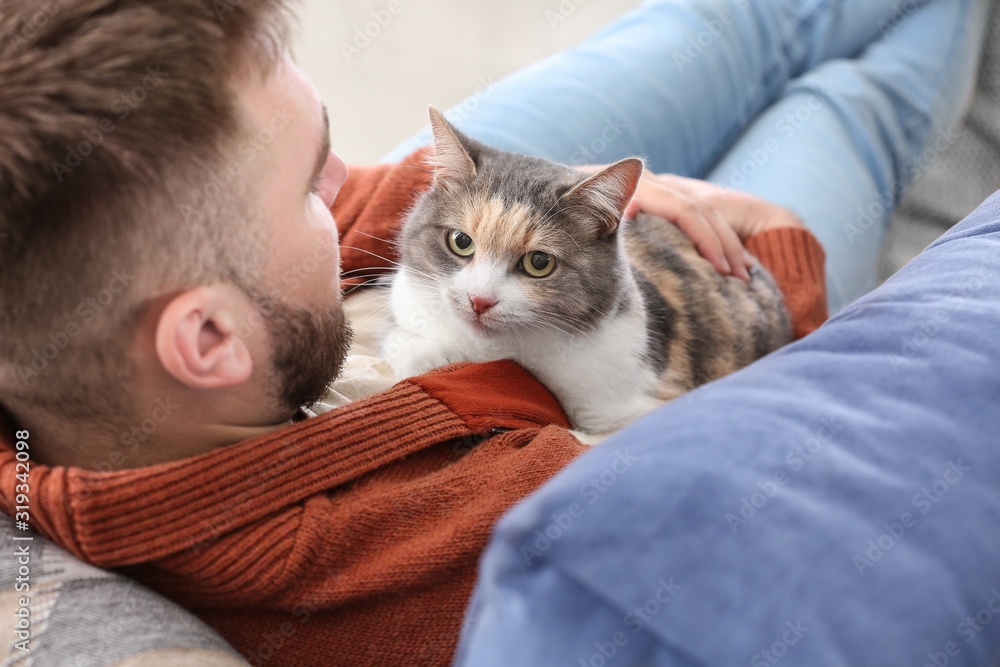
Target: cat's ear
point(451, 161)
point(608, 192)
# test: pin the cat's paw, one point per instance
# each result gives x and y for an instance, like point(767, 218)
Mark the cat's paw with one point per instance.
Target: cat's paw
point(410, 355)
point(410, 365)
point(604, 420)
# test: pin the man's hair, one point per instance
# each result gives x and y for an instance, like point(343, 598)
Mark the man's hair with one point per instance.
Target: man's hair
point(118, 119)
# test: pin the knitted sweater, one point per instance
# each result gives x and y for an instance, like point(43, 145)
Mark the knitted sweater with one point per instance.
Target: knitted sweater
point(350, 538)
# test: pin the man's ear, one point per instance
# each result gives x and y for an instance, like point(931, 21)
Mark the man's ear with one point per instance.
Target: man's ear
point(607, 193)
point(196, 339)
point(451, 160)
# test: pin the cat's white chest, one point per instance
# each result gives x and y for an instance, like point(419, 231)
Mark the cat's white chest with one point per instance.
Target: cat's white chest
point(601, 378)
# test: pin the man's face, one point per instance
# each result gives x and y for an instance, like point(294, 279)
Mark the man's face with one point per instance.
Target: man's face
point(297, 178)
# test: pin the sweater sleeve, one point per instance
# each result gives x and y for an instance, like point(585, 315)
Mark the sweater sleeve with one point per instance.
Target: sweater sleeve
point(369, 209)
point(795, 259)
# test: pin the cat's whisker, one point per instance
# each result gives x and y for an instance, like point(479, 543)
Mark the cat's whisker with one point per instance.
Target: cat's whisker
point(369, 268)
point(562, 321)
point(368, 283)
point(366, 275)
point(377, 238)
point(546, 215)
point(376, 314)
point(458, 211)
point(425, 281)
point(382, 257)
point(520, 341)
point(427, 291)
point(549, 210)
point(542, 323)
point(370, 278)
point(369, 252)
point(367, 280)
point(561, 318)
point(546, 329)
point(566, 208)
point(563, 231)
point(419, 168)
point(383, 301)
point(553, 327)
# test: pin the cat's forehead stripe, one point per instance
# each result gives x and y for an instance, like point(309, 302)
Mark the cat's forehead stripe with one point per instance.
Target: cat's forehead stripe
point(500, 226)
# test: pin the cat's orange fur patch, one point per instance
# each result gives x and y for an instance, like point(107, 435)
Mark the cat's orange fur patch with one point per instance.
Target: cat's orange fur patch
point(505, 230)
point(497, 228)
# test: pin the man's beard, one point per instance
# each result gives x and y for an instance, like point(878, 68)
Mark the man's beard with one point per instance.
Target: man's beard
point(309, 350)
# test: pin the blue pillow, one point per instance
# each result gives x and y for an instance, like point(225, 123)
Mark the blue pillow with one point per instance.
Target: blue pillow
point(836, 503)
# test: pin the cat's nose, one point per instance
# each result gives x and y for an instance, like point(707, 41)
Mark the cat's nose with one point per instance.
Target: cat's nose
point(481, 304)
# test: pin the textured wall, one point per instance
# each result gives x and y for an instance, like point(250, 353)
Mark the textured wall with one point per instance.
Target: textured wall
point(425, 52)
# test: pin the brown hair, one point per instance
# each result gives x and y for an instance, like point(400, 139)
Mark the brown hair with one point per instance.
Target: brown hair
point(116, 120)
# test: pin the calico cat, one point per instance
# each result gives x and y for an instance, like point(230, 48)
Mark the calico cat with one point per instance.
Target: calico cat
point(515, 257)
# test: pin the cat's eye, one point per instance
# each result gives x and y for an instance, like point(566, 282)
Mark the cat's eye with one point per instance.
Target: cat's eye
point(538, 264)
point(461, 243)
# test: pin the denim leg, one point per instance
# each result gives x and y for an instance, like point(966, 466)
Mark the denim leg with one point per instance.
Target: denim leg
point(847, 137)
point(843, 100)
point(674, 81)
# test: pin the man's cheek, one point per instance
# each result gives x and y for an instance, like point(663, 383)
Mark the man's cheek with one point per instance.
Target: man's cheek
point(321, 215)
point(323, 265)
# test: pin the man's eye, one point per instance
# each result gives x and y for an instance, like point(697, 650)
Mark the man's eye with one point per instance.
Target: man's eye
point(317, 188)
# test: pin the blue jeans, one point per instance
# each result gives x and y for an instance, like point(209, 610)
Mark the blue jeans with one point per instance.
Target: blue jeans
point(829, 108)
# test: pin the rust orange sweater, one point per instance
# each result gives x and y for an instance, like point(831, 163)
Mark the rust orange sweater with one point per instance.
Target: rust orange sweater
point(351, 538)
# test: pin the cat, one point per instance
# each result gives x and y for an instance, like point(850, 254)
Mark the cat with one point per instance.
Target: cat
point(509, 256)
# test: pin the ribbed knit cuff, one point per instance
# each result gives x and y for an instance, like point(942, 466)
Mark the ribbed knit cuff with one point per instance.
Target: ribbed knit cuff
point(796, 260)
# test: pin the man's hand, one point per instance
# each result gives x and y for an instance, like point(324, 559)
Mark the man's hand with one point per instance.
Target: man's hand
point(715, 218)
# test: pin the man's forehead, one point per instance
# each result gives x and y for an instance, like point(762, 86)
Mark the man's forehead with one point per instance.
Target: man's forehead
point(283, 114)
point(284, 92)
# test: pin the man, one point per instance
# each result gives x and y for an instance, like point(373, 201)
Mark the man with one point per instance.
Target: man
point(171, 297)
